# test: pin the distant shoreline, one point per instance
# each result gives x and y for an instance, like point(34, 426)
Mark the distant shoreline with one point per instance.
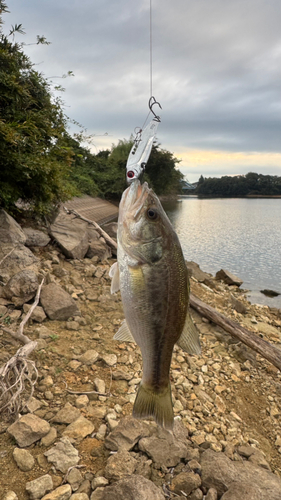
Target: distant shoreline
point(225, 197)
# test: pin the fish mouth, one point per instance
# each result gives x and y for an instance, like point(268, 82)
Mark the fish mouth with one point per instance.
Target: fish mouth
point(133, 199)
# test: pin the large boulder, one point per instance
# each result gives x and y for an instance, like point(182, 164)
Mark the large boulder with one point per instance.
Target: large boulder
point(15, 259)
point(219, 472)
point(35, 238)
point(71, 234)
point(133, 488)
point(10, 231)
point(228, 278)
point(196, 272)
point(98, 248)
point(57, 303)
point(22, 287)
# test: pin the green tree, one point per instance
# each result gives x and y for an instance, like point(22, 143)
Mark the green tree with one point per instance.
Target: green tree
point(35, 160)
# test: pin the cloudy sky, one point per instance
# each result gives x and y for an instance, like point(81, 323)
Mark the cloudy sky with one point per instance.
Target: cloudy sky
point(216, 71)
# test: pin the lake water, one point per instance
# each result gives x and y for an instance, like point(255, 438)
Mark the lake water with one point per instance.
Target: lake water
point(238, 234)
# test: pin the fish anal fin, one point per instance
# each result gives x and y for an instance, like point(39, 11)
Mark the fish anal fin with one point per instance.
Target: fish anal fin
point(114, 275)
point(159, 406)
point(189, 339)
point(124, 334)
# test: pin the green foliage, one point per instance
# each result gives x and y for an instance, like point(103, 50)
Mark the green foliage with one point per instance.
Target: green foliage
point(241, 185)
point(35, 162)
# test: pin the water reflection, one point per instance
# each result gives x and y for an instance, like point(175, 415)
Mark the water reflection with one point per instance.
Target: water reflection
point(242, 235)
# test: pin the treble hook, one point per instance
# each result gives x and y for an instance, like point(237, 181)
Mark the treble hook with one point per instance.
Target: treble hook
point(152, 101)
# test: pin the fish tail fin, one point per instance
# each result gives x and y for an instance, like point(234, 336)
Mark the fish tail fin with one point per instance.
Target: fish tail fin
point(158, 405)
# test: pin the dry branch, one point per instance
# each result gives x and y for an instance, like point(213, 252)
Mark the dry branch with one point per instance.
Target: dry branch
point(107, 238)
point(15, 375)
point(19, 374)
point(264, 348)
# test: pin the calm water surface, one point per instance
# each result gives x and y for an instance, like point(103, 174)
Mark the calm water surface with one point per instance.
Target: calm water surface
point(238, 234)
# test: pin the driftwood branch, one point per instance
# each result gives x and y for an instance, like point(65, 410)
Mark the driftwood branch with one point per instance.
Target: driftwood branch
point(19, 374)
point(264, 348)
point(107, 238)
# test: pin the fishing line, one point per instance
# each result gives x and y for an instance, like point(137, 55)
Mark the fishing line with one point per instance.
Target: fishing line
point(150, 61)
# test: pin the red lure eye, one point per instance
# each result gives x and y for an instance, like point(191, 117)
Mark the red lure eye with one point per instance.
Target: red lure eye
point(130, 174)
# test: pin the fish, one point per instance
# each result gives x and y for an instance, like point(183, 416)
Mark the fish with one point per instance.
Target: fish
point(152, 277)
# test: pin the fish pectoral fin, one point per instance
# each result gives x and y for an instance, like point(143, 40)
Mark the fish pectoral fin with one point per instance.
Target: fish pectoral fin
point(124, 334)
point(189, 339)
point(114, 275)
point(158, 405)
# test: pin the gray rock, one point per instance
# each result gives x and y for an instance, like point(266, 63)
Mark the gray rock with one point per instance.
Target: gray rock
point(196, 495)
point(212, 494)
point(79, 496)
point(144, 467)
point(37, 315)
point(89, 357)
point(228, 278)
point(238, 305)
point(133, 488)
point(164, 448)
point(61, 493)
point(23, 459)
point(85, 487)
point(23, 285)
point(63, 455)
point(10, 495)
point(19, 259)
point(125, 436)
point(79, 429)
point(120, 465)
point(35, 238)
point(99, 482)
point(74, 478)
point(99, 385)
point(33, 404)
point(120, 375)
point(39, 487)
point(10, 230)
point(185, 482)
point(57, 303)
point(97, 494)
point(49, 438)
point(219, 472)
point(99, 249)
point(28, 429)
point(238, 491)
point(110, 359)
point(196, 272)
point(71, 234)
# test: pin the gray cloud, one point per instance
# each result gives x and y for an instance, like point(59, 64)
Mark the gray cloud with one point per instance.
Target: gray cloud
point(216, 67)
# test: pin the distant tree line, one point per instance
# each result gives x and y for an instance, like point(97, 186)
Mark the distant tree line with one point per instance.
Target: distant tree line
point(240, 185)
point(40, 162)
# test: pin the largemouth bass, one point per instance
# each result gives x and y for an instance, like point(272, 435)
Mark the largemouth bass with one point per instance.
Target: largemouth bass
point(152, 276)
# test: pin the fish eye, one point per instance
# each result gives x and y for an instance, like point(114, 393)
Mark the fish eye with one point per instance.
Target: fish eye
point(152, 214)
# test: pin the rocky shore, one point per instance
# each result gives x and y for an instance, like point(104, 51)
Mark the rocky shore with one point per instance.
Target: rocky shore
point(75, 439)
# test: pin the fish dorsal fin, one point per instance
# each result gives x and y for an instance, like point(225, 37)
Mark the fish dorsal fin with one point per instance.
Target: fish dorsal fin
point(114, 275)
point(124, 334)
point(189, 339)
